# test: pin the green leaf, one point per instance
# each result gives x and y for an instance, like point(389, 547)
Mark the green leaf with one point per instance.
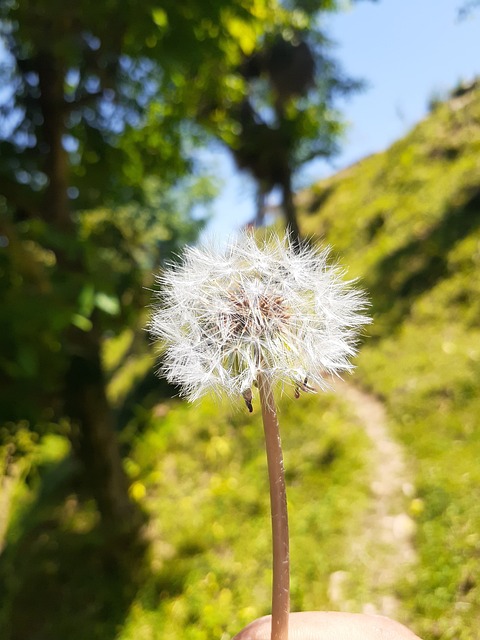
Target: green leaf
point(81, 322)
point(160, 17)
point(86, 300)
point(107, 303)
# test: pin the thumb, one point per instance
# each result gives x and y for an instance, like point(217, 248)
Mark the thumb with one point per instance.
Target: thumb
point(330, 625)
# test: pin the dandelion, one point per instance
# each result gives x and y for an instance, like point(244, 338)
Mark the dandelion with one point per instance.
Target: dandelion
point(258, 316)
point(226, 316)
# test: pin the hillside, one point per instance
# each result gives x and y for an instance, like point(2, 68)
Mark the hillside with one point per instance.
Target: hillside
point(407, 222)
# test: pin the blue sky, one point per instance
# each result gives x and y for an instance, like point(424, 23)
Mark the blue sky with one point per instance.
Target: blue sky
point(406, 51)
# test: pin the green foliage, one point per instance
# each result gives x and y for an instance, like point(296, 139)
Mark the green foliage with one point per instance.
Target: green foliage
point(279, 110)
point(118, 250)
point(132, 80)
point(408, 222)
point(97, 172)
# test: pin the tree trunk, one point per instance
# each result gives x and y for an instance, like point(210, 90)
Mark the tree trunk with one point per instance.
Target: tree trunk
point(290, 212)
point(97, 445)
point(86, 401)
point(51, 76)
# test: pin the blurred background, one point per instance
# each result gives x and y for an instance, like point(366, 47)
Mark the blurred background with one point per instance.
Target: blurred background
point(130, 129)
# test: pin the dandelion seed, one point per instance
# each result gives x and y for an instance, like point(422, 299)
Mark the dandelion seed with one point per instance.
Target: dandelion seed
point(226, 315)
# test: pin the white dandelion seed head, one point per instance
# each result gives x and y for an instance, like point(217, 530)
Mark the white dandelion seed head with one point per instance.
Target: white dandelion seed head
point(225, 315)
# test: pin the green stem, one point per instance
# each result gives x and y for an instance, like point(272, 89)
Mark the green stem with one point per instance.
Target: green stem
point(278, 503)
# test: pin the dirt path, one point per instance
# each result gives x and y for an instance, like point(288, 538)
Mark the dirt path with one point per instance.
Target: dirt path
point(383, 547)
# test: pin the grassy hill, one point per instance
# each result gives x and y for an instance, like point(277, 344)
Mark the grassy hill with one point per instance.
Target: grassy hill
point(407, 222)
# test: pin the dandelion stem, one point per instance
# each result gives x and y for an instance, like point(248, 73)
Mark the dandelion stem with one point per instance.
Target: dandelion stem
point(278, 503)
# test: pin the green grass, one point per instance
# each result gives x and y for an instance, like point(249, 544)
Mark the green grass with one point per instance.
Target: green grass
point(200, 473)
point(217, 509)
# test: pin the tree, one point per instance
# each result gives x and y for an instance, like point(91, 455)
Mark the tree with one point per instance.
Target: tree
point(99, 99)
point(300, 123)
point(285, 116)
point(78, 135)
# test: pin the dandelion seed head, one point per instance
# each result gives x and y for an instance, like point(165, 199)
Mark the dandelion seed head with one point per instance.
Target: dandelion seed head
point(225, 315)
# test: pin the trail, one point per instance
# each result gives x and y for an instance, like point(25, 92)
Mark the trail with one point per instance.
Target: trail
point(384, 546)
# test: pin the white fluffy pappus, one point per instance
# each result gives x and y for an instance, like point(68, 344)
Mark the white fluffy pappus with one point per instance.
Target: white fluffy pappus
point(225, 315)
